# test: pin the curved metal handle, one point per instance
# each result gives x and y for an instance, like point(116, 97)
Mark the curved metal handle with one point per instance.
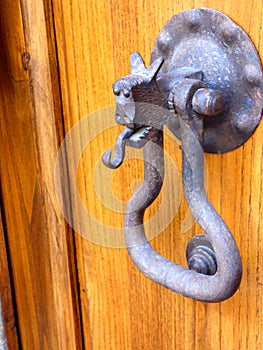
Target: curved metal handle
point(185, 98)
point(177, 278)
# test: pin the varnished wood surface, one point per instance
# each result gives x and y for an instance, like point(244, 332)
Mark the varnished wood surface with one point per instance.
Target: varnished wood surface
point(7, 309)
point(77, 49)
point(121, 309)
point(37, 236)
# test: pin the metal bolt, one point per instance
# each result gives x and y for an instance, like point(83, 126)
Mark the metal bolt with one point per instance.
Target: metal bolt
point(208, 102)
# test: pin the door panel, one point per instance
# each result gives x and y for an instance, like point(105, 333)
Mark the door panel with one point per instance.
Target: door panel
point(37, 237)
point(58, 62)
point(121, 309)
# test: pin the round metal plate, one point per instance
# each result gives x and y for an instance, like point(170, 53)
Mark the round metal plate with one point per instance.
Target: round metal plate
point(208, 40)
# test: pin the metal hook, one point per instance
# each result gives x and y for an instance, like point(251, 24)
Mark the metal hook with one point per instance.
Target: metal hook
point(119, 154)
point(204, 87)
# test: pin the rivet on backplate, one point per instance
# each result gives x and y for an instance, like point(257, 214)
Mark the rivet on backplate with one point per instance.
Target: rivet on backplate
point(252, 74)
point(243, 125)
point(164, 41)
point(193, 20)
point(229, 34)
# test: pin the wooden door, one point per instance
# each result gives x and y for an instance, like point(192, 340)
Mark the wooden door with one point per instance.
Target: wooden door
point(79, 289)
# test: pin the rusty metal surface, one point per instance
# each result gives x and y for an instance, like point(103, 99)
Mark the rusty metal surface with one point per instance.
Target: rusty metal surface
point(192, 92)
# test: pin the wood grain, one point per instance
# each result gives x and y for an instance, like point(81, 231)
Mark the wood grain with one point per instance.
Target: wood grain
point(37, 236)
point(58, 62)
point(8, 321)
point(121, 309)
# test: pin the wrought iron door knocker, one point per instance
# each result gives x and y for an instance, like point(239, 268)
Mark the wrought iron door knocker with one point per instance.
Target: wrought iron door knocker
point(204, 82)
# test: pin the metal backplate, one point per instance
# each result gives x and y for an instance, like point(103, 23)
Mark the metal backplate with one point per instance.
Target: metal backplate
point(208, 40)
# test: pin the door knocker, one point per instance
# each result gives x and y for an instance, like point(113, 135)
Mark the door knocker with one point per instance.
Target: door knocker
point(205, 83)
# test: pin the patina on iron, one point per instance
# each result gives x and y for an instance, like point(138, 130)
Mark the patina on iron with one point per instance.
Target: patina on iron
point(193, 91)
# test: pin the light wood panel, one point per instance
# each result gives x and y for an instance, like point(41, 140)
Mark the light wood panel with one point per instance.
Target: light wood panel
point(121, 309)
point(37, 237)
